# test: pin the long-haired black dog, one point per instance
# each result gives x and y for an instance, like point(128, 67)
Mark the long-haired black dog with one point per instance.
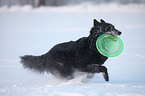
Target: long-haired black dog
point(64, 59)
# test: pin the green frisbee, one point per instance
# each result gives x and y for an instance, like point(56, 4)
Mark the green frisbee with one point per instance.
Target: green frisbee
point(109, 45)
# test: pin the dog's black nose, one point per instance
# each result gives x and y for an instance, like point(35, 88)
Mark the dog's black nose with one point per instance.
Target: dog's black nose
point(119, 33)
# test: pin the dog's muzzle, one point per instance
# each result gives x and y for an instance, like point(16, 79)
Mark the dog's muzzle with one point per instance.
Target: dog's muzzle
point(115, 32)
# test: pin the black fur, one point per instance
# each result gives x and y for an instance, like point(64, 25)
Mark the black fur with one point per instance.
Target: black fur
point(64, 59)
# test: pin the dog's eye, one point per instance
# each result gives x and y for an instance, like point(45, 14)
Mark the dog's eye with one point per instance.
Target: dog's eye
point(112, 27)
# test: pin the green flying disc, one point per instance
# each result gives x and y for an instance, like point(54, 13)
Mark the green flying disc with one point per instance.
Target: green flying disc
point(109, 45)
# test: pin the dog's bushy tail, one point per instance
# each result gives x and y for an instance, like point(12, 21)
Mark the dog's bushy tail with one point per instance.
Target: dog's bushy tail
point(33, 62)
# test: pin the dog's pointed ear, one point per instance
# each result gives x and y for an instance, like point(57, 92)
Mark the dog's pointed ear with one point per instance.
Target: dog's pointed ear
point(102, 21)
point(96, 23)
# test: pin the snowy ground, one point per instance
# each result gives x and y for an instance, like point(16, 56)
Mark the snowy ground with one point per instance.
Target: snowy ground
point(24, 30)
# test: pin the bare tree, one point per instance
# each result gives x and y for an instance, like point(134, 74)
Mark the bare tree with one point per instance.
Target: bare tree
point(38, 3)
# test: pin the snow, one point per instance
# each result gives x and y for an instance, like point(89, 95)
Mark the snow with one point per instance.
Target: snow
point(24, 30)
point(77, 89)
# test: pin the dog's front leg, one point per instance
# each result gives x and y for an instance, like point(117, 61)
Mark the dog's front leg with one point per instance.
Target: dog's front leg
point(95, 68)
point(105, 73)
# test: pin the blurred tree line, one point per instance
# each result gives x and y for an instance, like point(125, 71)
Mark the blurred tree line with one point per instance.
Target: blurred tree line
point(37, 3)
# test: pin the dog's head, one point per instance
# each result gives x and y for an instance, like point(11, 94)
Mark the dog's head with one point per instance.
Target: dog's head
point(103, 27)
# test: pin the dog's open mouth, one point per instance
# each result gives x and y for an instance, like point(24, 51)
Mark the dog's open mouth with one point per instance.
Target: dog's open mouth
point(115, 32)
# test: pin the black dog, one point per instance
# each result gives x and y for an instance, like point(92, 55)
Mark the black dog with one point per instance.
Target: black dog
point(64, 59)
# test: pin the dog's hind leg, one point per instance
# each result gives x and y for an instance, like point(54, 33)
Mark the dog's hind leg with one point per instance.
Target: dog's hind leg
point(88, 77)
point(61, 70)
